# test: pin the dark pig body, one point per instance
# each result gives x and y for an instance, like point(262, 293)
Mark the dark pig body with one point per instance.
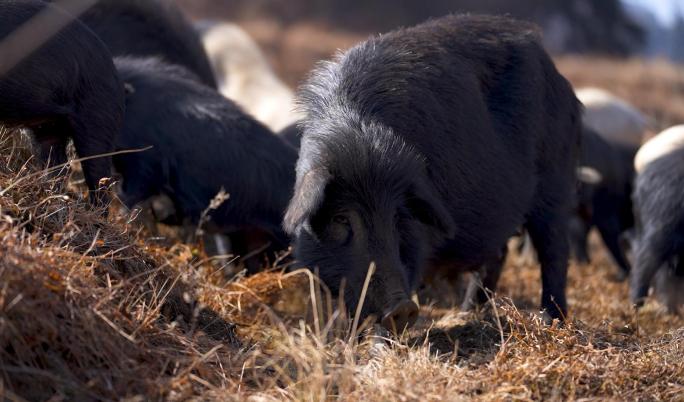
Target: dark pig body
point(435, 142)
point(150, 28)
point(607, 204)
point(659, 235)
point(292, 134)
point(66, 88)
point(202, 143)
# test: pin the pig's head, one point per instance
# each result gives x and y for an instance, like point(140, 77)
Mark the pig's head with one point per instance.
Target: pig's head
point(363, 197)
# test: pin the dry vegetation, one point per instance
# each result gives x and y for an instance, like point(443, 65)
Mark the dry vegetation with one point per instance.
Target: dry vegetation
point(92, 309)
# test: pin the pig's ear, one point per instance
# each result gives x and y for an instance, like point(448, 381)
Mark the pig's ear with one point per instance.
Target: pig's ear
point(308, 197)
point(425, 206)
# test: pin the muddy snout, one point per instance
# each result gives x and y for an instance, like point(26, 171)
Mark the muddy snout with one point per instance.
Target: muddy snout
point(402, 315)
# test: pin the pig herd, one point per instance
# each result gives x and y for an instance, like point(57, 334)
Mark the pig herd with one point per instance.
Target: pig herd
point(429, 145)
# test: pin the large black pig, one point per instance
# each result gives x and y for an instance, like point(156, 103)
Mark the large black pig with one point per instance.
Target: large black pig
point(58, 79)
point(202, 143)
point(435, 142)
point(605, 203)
point(150, 28)
point(659, 235)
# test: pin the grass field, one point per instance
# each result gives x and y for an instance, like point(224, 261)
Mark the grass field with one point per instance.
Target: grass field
point(93, 309)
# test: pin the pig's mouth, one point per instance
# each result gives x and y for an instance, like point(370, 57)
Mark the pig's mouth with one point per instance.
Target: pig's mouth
point(402, 315)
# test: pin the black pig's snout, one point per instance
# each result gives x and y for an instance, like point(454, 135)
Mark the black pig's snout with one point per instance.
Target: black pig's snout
point(402, 315)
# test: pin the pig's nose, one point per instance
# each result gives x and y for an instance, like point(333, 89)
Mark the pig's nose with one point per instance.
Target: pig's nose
point(402, 315)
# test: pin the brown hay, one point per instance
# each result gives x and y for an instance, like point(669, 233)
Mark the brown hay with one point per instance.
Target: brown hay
point(82, 301)
point(90, 309)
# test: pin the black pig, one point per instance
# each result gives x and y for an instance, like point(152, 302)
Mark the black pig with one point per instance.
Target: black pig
point(659, 234)
point(202, 143)
point(292, 134)
point(150, 28)
point(435, 142)
point(607, 203)
point(61, 83)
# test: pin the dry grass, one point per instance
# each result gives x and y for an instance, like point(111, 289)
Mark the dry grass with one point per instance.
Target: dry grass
point(91, 309)
point(87, 310)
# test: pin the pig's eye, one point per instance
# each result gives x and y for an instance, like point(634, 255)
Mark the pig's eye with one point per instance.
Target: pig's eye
point(339, 231)
point(340, 220)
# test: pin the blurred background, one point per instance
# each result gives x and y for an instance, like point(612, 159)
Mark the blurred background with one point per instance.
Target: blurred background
point(604, 26)
point(630, 47)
